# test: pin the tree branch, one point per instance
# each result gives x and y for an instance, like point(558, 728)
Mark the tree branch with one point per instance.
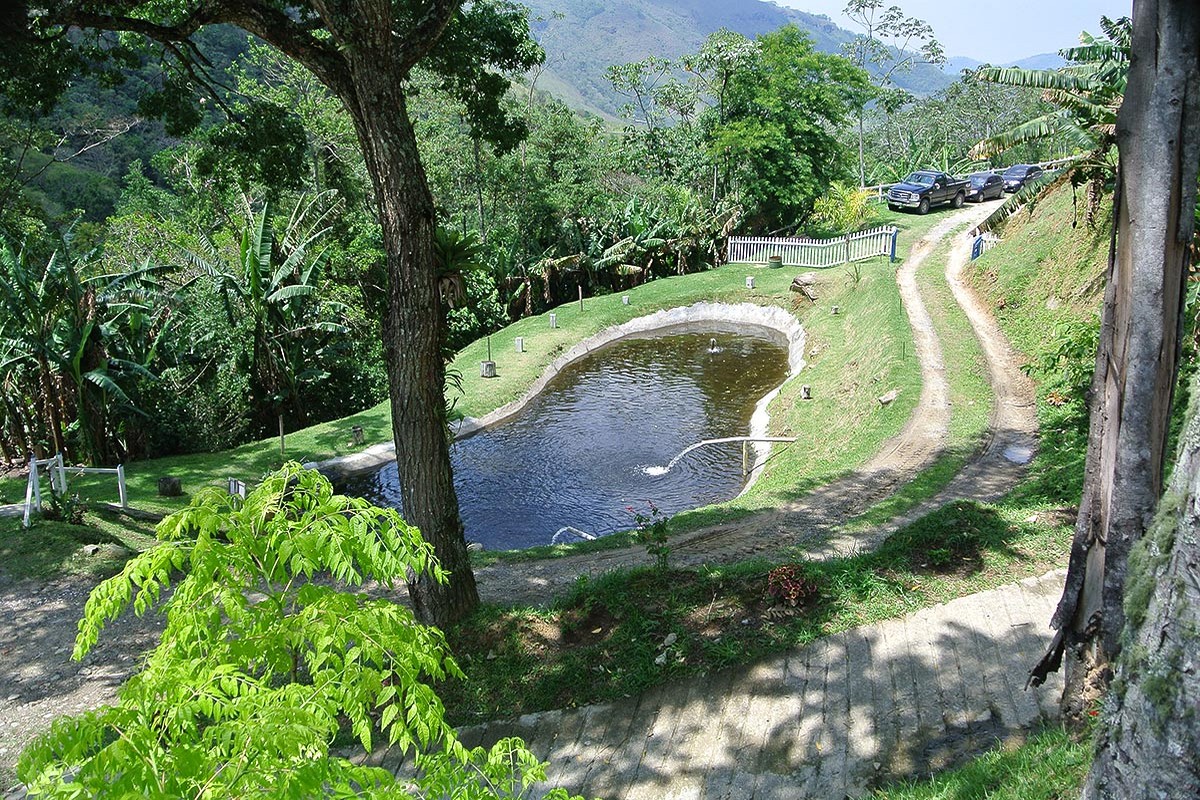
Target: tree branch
point(293, 38)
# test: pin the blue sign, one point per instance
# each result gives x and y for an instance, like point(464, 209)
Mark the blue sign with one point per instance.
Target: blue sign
point(977, 248)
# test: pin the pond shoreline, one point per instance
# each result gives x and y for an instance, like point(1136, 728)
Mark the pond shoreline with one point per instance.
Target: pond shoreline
point(772, 318)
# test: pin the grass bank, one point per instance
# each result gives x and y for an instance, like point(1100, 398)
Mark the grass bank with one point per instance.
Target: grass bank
point(1049, 766)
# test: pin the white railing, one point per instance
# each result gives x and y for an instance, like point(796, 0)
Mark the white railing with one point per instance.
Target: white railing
point(58, 480)
point(801, 252)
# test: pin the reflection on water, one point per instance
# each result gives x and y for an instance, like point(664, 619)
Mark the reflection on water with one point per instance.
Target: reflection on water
point(576, 455)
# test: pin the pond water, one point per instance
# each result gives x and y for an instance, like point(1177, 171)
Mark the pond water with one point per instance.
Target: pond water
point(582, 452)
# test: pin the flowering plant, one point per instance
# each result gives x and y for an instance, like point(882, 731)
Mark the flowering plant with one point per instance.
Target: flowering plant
point(789, 585)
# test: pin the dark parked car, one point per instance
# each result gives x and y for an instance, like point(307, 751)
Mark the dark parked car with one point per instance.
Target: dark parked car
point(926, 188)
point(1018, 175)
point(984, 186)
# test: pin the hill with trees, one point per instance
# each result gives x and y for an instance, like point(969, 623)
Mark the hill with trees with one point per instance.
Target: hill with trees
point(582, 38)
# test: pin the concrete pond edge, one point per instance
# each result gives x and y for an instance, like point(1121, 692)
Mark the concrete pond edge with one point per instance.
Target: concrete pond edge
point(773, 318)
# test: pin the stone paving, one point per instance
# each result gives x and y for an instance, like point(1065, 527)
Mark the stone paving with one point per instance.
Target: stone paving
point(832, 719)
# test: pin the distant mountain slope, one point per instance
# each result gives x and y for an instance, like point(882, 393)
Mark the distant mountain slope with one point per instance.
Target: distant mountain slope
point(957, 64)
point(1042, 61)
point(582, 38)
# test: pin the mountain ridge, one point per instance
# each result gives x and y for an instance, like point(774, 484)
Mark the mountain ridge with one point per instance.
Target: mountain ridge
point(582, 38)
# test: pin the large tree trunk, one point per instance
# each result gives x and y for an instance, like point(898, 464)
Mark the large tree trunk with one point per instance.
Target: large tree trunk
point(412, 328)
point(1150, 739)
point(1140, 338)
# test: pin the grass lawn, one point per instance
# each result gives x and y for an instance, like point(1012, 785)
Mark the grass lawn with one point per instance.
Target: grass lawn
point(53, 548)
point(1050, 766)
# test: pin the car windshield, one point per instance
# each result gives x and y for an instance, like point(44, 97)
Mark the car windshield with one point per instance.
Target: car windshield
point(920, 179)
point(979, 180)
point(1016, 172)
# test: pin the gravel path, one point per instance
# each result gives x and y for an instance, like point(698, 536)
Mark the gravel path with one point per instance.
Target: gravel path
point(38, 681)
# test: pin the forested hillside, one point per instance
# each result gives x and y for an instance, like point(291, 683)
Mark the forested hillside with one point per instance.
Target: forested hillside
point(582, 38)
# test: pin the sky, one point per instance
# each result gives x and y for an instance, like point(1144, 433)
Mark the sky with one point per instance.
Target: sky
point(995, 31)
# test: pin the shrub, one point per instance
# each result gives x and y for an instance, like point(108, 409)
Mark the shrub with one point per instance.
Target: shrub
point(788, 584)
point(65, 507)
point(264, 660)
point(843, 209)
point(651, 531)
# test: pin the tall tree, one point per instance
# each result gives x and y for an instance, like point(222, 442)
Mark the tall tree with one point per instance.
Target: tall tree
point(1140, 340)
point(883, 48)
point(364, 52)
point(783, 110)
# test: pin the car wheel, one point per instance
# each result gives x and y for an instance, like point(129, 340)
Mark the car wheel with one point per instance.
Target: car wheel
point(893, 208)
point(958, 199)
point(923, 208)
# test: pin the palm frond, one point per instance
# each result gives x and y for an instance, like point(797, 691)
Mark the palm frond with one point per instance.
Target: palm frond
point(1036, 78)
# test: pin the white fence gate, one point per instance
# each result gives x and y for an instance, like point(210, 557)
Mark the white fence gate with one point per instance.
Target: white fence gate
point(58, 480)
point(801, 252)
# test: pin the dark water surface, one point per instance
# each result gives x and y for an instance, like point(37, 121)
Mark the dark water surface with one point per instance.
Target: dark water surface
point(576, 455)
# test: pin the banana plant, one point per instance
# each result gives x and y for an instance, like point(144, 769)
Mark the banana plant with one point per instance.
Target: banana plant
point(69, 350)
point(273, 282)
point(1085, 94)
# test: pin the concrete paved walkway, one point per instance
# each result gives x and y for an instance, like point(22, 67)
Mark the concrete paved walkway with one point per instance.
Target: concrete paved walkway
point(833, 719)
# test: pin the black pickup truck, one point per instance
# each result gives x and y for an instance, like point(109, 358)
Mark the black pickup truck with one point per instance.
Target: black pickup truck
point(925, 189)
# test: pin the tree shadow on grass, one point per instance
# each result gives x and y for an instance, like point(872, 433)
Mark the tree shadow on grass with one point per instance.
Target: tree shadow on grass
point(952, 540)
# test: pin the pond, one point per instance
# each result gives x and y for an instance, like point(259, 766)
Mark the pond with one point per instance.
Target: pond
point(583, 452)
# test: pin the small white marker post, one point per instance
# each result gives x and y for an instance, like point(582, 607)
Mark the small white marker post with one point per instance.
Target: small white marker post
point(581, 297)
point(624, 299)
point(487, 369)
point(121, 486)
point(553, 320)
point(749, 281)
point(519, 343)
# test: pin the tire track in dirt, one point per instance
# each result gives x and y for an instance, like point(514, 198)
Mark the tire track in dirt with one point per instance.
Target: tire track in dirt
point(813, 521)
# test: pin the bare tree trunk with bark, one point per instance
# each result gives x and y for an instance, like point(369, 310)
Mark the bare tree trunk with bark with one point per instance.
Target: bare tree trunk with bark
point(413, 323)
point(1150, 738)
point(1140, 339)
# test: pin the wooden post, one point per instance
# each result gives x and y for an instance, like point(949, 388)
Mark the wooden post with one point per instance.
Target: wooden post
point(745, 458)
point(281, 448)
point(29, 484)
point(62, 474)
point(37, 483)
point(121, 486)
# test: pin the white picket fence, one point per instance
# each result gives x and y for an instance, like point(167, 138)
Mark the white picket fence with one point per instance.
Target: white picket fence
point(801, 252)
